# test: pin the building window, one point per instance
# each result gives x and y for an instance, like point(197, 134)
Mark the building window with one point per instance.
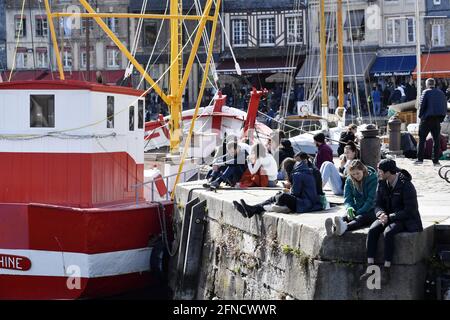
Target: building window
point(112, 57)
point(41, 27)
point(240, 32)
point(437, 2)
point(267, 31)
point(393, 30)
point(85, 22)
point(150, 33)
point(437, 35)
point(113, 24)
point(131, 118)
point(21, 27)
point(67, 59)
point(140, 114)
point(84, 58)
point(42, 111)
point(411, 30)
point(110, 113)
point(21, 59)
point(42, 58)
point(294, 30)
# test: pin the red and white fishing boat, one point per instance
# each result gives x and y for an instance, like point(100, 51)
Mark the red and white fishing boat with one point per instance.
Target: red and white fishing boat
point(71, 154)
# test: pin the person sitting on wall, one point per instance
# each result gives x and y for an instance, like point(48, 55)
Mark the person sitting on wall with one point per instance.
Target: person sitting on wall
point(336, 177)
point(346, 136)
point(302, 196)
point(228, 168)
point(324, 152)
point(359, 200)
point(303, 156)
point(396, 209)
point(428, 152)
point(262, 169)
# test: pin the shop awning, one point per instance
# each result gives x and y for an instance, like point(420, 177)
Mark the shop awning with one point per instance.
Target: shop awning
point(435, 65)
point(357, 67)
point(393, 66)
point(255, 66)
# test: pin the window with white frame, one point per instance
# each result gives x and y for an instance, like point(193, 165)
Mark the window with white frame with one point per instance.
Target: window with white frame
point(67, 59)
point(437, 35)
point(112, 58)
point(20, 27)
point(410, 30)
point(42, 58)
point(21, 59)
point(393, 30)
point(113, 24)
point(41, 26)
point(436, 2)
point(85, 22)
point(294, 30)
point(240, 32)
point(267, 31)
point(84, 58)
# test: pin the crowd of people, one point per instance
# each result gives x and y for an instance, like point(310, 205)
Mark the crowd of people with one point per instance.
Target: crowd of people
point(383, 198)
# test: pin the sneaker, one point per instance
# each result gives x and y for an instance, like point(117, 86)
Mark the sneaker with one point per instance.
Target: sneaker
point(268, 207)
point(385, 276)
point(437, 164)
point(280, 209)
point(206, 185)
point(329, 226)
point(418, 162)
point(341, 226)
point(240, 208)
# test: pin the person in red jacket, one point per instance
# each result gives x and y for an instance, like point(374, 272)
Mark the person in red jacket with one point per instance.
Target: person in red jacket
point(324, 152)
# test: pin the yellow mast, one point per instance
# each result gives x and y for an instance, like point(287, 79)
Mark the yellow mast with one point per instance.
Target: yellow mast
point(176, 62)
point(340, 40)
point(55, 43)
point(323, 59)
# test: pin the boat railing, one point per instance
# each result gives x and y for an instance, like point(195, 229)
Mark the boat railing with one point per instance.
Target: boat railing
point(196, 172)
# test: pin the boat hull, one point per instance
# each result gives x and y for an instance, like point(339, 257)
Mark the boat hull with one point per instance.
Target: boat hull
point(55, 252)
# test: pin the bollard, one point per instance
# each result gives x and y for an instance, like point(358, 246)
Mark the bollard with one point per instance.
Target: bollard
point(394, 133)
point(370, 146)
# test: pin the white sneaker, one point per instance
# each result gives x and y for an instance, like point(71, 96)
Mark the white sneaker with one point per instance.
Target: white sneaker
point(280, 209)
point(341, 226)
point(268, 207)
point(329, 226)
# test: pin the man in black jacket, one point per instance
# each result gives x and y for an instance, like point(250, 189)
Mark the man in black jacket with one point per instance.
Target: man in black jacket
point(433, 109)
point(396, 210)
point(346, 136)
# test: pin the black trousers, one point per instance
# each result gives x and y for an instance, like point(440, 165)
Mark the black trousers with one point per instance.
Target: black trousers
point(389, 231)
point(433, 125)
point(360, 221)
point(281, 199)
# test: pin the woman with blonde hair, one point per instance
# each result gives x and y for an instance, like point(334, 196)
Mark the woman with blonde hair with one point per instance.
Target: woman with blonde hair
point(359, 200)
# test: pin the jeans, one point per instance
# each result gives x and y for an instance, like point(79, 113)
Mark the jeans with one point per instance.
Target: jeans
point(330, 174)
point(389, 231)
point(281, 199)
point(360, 221)
point(433, 125)
point(376, 108)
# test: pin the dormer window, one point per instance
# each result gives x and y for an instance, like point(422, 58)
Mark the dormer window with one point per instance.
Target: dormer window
point(42, 111)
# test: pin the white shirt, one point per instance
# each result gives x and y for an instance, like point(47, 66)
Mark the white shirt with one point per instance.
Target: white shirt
point(268, 164)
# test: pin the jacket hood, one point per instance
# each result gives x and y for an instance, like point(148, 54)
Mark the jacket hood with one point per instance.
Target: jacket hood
point(405, 175)
point(302, 167)
point(286, 143)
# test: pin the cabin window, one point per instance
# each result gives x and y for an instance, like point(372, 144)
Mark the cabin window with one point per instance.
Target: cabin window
point(110, 113)
point(131, 118)
point(140, 114)
point(42, 111)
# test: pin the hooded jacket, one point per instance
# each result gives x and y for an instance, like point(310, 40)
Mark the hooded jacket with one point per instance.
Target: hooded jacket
point(304, 189)
point(363, 202)
point(400, 202)
point(284, 151)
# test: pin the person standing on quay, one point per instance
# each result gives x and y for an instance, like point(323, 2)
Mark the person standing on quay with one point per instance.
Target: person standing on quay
point(433, 109)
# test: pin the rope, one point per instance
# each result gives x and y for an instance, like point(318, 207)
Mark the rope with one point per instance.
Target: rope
point(18, 41)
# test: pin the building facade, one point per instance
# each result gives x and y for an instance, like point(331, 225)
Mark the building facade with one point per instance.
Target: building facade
point(2, 36)
point(33, 50)
point(437, 25)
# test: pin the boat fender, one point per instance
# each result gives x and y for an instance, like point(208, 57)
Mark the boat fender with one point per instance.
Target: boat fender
point(159, 182)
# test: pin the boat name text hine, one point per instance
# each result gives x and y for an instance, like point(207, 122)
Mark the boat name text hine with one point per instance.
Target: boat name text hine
point(14, 262)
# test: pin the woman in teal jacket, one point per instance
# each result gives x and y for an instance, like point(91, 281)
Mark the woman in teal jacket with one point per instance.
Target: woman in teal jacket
point(359, 200)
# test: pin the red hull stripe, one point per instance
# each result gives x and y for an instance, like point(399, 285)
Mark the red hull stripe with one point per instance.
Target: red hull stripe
point(52, 228)
point(44, 288)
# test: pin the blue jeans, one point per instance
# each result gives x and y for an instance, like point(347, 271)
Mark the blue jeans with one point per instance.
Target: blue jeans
point(376, 108)
point(330, 174)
